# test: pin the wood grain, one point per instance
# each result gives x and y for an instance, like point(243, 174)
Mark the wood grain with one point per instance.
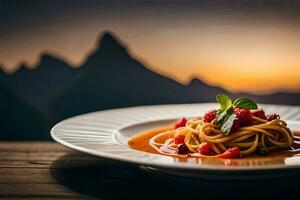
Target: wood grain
point(46, 170)
point(25, 171)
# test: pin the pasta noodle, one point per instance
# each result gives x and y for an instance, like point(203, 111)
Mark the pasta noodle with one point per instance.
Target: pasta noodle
point(238, 128)
point(264, 136)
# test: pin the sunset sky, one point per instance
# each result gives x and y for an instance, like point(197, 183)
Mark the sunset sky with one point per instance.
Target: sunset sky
point(240, 45)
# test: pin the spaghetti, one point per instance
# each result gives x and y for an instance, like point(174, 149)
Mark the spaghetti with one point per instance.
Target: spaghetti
point(265, 136)
point(236, 129)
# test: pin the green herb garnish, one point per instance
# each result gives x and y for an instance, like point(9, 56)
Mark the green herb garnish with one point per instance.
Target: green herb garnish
point(224, 101)
point(245, 103)
point(226, 115)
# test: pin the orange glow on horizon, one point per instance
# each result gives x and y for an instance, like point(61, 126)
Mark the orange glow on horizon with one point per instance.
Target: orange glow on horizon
point(258, 55)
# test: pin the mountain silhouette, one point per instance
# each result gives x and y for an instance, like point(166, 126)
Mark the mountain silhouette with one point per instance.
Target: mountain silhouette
point(42, 82)
point(38, 86)
point(109, 78)
point(19, 120)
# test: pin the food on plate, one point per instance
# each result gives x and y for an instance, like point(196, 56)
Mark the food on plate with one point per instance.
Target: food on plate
point(236, 129)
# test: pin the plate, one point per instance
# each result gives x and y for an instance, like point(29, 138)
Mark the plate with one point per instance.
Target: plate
point(105, 134)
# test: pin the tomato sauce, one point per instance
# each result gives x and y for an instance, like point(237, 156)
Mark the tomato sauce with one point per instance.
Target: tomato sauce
point(141, 142)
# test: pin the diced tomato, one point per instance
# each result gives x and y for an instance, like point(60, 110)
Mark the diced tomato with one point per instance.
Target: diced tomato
point(179, 139)
point(205, 149)
point(181, 122)
point(231, 153)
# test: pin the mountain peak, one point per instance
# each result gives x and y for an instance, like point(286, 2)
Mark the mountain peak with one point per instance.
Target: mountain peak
point(46, 57)
point(195, 81)
point(109, 41)
point(48, 60)
point(24, 66)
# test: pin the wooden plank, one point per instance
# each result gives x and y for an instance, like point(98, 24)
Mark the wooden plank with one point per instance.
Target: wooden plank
point(38, 191)
point(46, 170)
point(34, 175)
point(34, 163)
point(47, 197)
point(46, 161)
point(34, 189)
point(9, 176)
point(11, 156)
point(32, 147)
point(26, 170)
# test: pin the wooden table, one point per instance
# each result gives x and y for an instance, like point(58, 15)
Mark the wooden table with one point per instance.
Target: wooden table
point(46, 170)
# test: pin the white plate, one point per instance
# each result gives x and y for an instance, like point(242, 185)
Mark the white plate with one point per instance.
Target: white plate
point(105, 134)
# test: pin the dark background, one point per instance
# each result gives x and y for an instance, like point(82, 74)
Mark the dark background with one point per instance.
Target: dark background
point(32, 101)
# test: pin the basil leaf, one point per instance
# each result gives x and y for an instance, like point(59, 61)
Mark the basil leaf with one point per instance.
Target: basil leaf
point(225, 119)
point(222, 114)
point(227, 123)
point(224, 101)
point(245, 103)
